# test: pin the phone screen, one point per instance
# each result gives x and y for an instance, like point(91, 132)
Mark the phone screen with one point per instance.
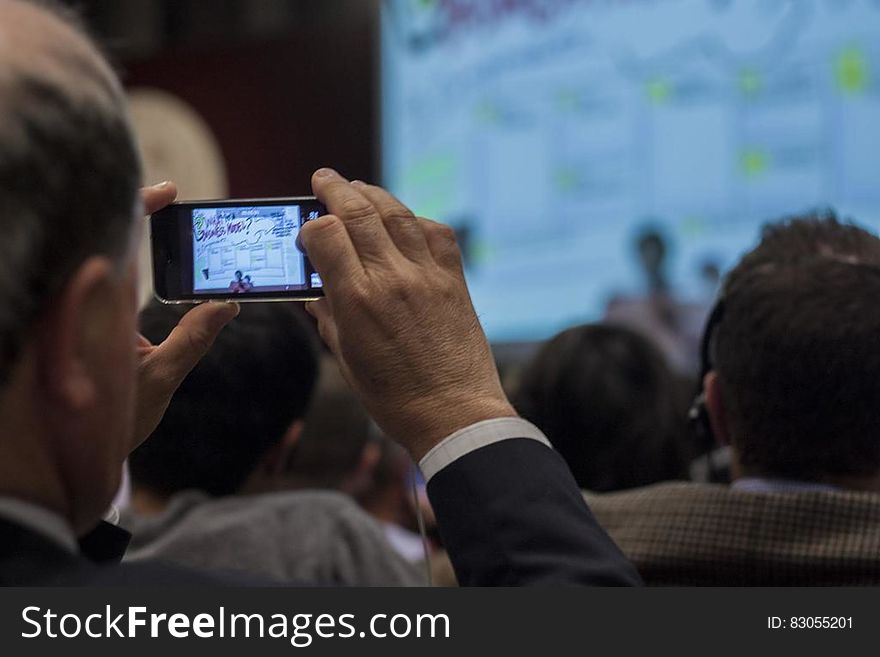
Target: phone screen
point(234, 249)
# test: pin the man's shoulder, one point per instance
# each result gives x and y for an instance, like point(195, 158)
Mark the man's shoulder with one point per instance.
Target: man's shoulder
point(626, 505)
point(690, 499)
point(152, 573)
point(28, 558)
point(246, 517)
point(684, 533)
point(277, 502)
point(316, 536)
point(319, 510)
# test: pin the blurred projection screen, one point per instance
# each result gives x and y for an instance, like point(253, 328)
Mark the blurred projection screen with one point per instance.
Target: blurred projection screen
point(550, 133)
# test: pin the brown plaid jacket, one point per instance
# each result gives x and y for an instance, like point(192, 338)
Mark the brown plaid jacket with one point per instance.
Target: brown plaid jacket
point(682, 534)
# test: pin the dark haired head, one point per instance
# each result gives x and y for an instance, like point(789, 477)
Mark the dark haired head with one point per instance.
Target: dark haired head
point(652, 250)
point(795, 351)
point(800, 239)
point(652, 240)
point(610, 406)
point(236, 404)
point(337, 430)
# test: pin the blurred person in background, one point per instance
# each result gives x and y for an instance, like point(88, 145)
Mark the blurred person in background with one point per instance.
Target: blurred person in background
point(395, 502)
point(214, 486)
point(336, 449)
point(342, 449)
point(389, 499)
point(610, 405)
point(659, 313)
point(790, 385)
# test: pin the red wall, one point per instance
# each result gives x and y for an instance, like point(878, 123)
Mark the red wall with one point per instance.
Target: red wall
point(283, 108)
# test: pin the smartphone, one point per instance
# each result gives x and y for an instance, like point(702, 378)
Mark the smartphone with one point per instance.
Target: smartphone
point(238, 249)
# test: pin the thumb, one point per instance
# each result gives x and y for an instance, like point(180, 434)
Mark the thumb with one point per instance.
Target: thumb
point(192, 338)
point(158, 196)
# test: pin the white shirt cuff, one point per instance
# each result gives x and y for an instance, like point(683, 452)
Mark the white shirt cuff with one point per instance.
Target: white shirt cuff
point(474, 437)
point(112, 515)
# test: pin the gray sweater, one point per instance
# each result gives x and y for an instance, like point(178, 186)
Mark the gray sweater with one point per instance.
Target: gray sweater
point(318, 537)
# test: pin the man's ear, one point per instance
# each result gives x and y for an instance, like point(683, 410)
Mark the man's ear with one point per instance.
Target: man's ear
point(72, 337)
point(715, 409)
point(370, 457)
point(359, 481)
point(268, 474)
point(276, 460)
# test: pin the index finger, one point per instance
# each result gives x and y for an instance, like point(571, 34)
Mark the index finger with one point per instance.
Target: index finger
point(400, 222)
point(358, 215)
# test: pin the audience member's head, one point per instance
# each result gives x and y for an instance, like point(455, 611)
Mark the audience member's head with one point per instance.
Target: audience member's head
point(794, 356)
point(797, 240)
point(69, 177)
point(238, 412)
point(389, 495)
point(609, 404)
point(337, 449)
point(652, 251)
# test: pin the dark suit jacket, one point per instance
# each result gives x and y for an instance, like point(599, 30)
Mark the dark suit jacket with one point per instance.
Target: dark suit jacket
point(702, 534)
point(27, 558)
point(509, 513)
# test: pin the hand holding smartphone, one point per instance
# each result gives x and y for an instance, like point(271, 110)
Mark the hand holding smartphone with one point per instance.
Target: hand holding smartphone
point(238, 250)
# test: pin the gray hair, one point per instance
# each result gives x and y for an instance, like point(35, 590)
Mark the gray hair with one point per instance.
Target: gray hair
point(69, 177)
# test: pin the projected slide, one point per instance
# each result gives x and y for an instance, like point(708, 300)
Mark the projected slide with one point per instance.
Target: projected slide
point(249, 249)
point(552, 133)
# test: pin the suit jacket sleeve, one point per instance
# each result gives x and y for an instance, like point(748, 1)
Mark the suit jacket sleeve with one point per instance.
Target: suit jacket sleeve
point(511, 514)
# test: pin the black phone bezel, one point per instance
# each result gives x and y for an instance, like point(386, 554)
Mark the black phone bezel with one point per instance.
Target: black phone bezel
point(171, 230)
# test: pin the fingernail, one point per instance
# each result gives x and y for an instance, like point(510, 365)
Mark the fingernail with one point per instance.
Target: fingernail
point(162, 184)
point(324, 173)
point(299, 245)
point(228, 304)
point(358, 183)
point(236, 311)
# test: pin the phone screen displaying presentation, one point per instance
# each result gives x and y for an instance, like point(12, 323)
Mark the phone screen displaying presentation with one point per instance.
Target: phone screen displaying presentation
point(238, 249)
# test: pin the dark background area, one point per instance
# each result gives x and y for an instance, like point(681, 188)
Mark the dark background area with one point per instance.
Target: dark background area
point(286, 86)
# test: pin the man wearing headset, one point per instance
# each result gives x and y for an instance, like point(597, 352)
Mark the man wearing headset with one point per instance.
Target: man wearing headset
point(790, 384)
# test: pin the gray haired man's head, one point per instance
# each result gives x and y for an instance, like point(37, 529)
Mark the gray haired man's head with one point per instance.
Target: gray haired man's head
point(69, 169)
